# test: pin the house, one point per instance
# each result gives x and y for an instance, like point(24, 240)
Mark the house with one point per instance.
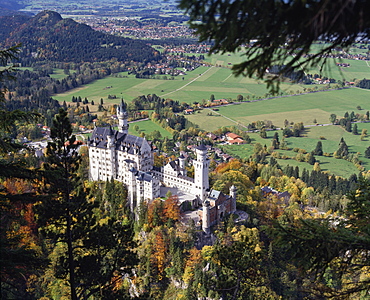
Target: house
point(232, 139)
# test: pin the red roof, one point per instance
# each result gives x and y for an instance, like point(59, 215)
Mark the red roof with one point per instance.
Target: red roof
point(232, 135)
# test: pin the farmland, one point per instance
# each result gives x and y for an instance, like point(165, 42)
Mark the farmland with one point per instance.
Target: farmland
point(146, 127)
point(304, 108)
point(196, 86)
point(313, 108)
point(331, 136)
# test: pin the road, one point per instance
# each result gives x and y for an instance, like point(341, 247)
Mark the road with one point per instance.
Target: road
point(190, 82)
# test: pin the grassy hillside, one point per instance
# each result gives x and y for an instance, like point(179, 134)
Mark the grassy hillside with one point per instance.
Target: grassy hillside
point(332, 135)
point(301, 108)
point(148, 126)
point(196, 86)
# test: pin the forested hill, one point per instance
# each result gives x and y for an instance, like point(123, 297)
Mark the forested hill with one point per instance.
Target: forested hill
point(48, 36)
point(9, 7)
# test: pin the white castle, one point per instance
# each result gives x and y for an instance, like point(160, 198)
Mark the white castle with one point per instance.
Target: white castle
point(129, 159)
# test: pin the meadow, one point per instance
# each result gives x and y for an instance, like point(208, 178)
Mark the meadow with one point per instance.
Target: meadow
point(313, 109)
point(195, 86)
point(198, 85)
point(306, 108)
point(331, 134)
point(146, 127)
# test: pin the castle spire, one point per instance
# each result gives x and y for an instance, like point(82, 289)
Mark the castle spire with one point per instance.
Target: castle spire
point(122, 117)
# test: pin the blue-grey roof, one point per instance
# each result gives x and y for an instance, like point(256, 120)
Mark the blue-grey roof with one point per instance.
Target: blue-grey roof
point(142, 176)
point(202, 147)
point(214, 194)
point(122, 141)
point(175, 165)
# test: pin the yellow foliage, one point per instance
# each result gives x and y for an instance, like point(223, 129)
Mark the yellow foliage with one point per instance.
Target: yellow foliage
point(207, 252)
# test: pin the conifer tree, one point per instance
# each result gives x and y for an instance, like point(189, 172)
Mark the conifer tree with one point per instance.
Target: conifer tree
point(355, 130)
point(311, 159)
point(327, 252)
point(96, 252)
point(342, 151)
point(349, 126)
point(367, 152)
point(18, 257)
point(318, 150)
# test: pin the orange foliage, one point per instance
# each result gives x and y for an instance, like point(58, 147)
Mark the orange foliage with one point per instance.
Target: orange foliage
point(160, 212)
point(155, 213)
point(116, 281)
point(233, 164)
point(159, 254)
point(270, 209)
point(160, 160)
point(195, 257)
point(18, 186)
point(172, 208)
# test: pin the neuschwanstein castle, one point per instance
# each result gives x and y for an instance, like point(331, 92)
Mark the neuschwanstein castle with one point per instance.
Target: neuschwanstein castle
point(129, 159)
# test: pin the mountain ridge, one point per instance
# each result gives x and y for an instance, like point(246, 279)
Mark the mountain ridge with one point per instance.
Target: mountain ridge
point(48, 36)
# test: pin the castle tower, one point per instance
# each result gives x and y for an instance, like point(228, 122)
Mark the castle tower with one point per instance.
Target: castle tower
point(182, 160)
point(122, 118)
point(206, 218)
point(110, 138)
point(201, 169)
point(233, 198)
point(112, 154)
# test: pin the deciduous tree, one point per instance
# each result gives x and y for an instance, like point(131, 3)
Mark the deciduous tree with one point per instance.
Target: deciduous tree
point(334, 251)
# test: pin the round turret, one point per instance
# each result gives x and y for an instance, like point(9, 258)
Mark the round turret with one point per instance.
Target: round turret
point(206, 218)
point(233, 198)
point(122, 117)
point(182, 161)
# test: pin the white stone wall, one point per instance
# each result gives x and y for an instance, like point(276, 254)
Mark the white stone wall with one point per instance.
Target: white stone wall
point(201, 179)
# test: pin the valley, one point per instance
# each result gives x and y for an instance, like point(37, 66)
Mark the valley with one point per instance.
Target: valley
point(134, 165)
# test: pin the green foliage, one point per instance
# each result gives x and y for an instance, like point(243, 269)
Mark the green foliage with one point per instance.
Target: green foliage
point(331, 247)
point(65, 39)
point(367, 152)
point(318, 150)
point(94, 250)
point(277, 29)
point(20, 255)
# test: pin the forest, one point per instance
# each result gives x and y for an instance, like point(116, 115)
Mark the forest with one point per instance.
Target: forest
point(65, 237)
point(49, 37)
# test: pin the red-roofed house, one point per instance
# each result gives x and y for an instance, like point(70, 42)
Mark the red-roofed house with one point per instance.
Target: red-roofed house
point(233, 139)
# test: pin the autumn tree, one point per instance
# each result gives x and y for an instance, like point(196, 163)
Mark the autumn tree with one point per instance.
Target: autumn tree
point(331, 250)
point(86, 253)
point(172, 208)
point(20, 255)
point(232, 267)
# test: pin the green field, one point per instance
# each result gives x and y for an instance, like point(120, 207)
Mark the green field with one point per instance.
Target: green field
point(196, 86)
point(301, 108)
point(148, 126)
point(59, 74)
point(358, 69)
point(332, 135)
